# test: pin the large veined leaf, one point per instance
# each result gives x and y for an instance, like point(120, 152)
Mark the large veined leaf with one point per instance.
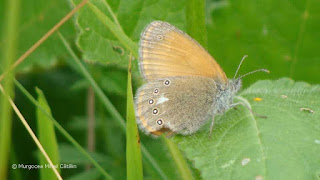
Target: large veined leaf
point(285, 145)
point(100, 45)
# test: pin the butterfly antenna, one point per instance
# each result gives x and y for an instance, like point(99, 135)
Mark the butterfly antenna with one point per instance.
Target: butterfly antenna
point(239, 66)
point(258, 70)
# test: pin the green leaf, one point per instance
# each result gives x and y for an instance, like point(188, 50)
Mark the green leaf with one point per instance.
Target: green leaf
point(134, 160)
point(47, 138)
point(101, 39)
point(114, 28)
point(36, 18)
point(277, 35)
point(285, 145)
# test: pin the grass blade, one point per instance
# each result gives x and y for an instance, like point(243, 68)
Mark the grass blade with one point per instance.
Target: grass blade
point(134, 161)
point(181, 163)
point(47, 138)
point(9, 50)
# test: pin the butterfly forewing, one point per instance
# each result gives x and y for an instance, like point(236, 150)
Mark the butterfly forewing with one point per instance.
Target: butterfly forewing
point(165, 51)
point(167, 105)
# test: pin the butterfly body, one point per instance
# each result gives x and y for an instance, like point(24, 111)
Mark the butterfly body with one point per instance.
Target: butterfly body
point(185, 86)
point(225, 96)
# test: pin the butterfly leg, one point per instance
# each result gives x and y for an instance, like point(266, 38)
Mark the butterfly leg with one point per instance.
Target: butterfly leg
point(241, 103)
point(211, 127)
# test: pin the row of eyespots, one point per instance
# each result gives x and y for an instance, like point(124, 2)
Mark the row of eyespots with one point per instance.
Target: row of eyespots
point(151, 101)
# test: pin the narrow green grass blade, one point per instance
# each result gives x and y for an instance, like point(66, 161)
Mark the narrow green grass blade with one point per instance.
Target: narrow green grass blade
point(196, 22)
point(116, 30)
point(47, 138)
point(109, 106)
point(183, 167)
point(7, 56)
point(62, 131)
point(134, 161)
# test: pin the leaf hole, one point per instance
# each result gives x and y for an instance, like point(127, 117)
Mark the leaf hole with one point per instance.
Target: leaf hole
point(118, 50)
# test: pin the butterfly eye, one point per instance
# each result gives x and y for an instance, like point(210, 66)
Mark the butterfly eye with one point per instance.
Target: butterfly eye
point(166, 82)
point(155, 111)
point(156, 91)
point(159, 37)
point(151, 101)
point(159, 122)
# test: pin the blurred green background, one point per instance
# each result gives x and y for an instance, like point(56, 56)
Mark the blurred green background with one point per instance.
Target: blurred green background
point(282, 36)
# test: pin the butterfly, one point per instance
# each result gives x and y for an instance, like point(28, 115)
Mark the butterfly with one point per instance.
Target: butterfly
point(185, 85)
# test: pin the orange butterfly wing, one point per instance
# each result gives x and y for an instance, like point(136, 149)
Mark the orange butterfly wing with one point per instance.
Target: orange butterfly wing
point(165, 51)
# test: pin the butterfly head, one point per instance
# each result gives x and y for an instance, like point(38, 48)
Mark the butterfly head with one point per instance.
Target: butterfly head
point(235, 85)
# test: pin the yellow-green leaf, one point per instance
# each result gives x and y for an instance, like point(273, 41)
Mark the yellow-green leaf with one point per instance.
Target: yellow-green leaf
point(47, 138)
point(134, 161)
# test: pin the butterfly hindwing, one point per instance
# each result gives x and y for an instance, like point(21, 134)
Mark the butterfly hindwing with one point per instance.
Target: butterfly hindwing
point(167, 105)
